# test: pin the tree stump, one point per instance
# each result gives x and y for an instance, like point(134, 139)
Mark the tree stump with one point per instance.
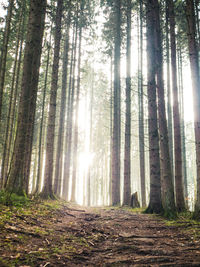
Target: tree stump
point(134, 200)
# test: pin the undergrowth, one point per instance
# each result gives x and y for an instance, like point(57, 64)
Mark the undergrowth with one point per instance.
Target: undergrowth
point(12, 199)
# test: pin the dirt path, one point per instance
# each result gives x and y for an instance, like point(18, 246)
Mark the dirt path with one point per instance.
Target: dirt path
point(97, 237)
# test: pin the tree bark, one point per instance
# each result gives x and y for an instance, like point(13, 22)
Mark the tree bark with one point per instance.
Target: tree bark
point(60, 143)
point(180, 203)
point(65, 177)
point(90, 139)
point(6, 151)
point(116, 144)
point(40, 150)
point(4, 52)
point(48, 176)
point(169, 95)
point(127, 148)
point(70, 117)
point(75, 148)
point(155, 204)
point(166, 172)
point(194, 65)
point(141, 109)
point(28, 92)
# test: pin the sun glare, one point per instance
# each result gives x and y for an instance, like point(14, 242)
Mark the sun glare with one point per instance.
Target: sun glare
point(85, 160)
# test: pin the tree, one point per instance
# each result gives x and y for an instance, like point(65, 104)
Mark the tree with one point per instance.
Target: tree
point(16, 180)
point(194, 65)
point(70, 113)
point(127, 149)
point(4, 51)
point(48, 176)
point(41, 135)
point(116, 146)
point(155, 204)
point(180, 203)
point(75, 148)
point(141, 108)
point(166, 171)
point(60, 141)
point(13, 97)
point(169, 93)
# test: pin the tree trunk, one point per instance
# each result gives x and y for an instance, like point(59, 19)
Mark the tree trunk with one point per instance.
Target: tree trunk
point(169, 95)
point(155, 205)
point(127, 148)
point(40, 151)
point(13, 113)
point(70, 118)
point(194, 64)
point(166, 173)
point(197, 9)
point(116, 144)
point(75, 148)
point(90, 139)
point(48, 176)
point(28, 92)
point(65, 177)
point(180, 203)
point(182, 109)
point(35, 165)
point(111, 125)
point(6, 151)
point(141, 110)
point(59, 154)
point(4, 52)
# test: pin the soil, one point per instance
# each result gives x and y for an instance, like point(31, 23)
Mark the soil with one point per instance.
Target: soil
point(76, 236)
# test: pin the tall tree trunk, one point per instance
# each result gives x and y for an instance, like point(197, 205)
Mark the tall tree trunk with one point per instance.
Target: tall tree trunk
point(90, 139)
point(59, 154)
point(28, 92)
point(14, 107)
point(180, 203)
point(169, 95)
point(4, 52)
point(35, 165)
point(75, 148)
point(48, 176)
point(197, 9)
point(65, 177)
point(155, 205)
point(116, 144)
point(141, 110)
point(111, 125)
point(166, 173)
point(6, 152)
point(40, 150)
point(182, 109)
point(70, 115)
point(194, 64)
point(127, 148)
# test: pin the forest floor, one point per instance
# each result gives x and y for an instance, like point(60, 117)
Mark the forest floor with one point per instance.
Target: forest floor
point(61, 234)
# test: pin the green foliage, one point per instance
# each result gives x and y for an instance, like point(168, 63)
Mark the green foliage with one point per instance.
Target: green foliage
point(4, 263)
point(181, 219)
point(12, 199)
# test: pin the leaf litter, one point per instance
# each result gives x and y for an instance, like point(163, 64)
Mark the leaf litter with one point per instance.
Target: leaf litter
point(62, 234)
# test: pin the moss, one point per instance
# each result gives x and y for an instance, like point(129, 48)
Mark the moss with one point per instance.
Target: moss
point(135, 210)
point(152, 210)
point(4, 263)
point(13, 199)
point(185, 222)
point(196, 213)
point(169, 214)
